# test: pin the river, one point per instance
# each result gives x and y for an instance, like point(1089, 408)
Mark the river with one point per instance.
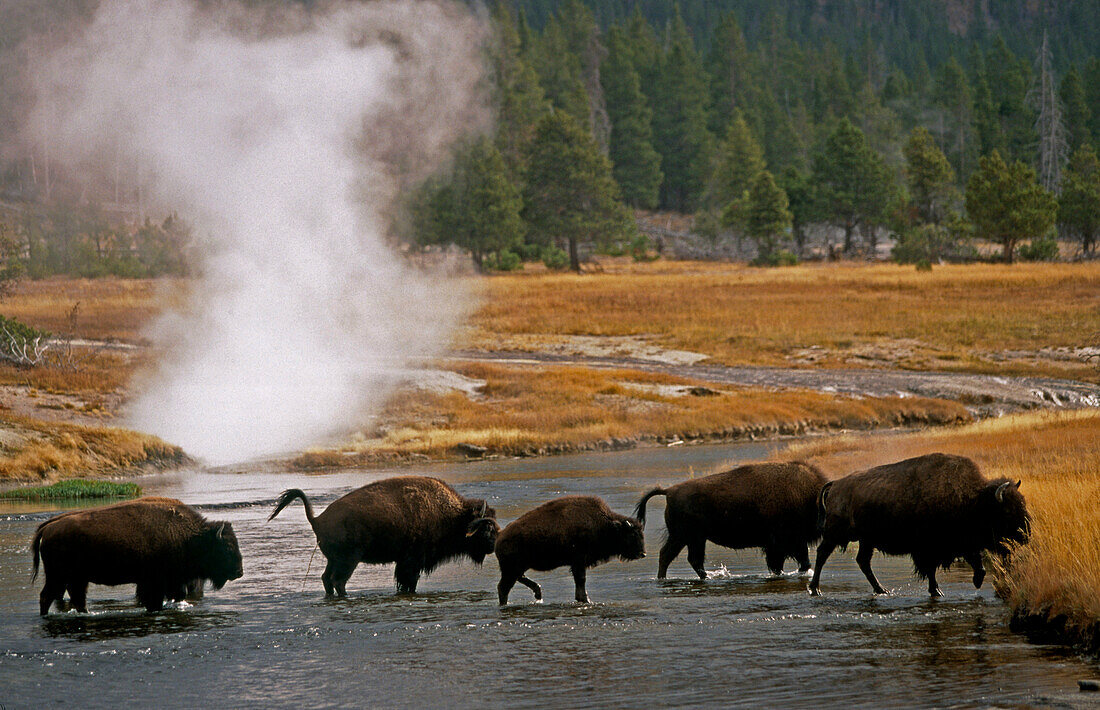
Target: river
point(741, 638)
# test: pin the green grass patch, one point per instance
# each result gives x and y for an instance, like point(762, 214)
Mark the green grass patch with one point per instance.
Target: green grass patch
point(77, 488)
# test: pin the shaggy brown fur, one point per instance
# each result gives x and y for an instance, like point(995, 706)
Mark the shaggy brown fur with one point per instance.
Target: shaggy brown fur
point(578, 531)
point(770, 505)
point(415, 521)
point(937, 508)
point(160, 544)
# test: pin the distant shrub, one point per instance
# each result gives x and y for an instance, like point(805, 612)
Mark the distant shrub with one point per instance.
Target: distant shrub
point(776, 258)
point(924, 265)
point(504, 260)
point(1042, 249)
point(639, 249)
point(17, 342)
point(554, 258)
point(932, 242)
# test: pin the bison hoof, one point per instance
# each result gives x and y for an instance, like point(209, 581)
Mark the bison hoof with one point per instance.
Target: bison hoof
point(978, 579)
point(935, 592)
point(814, 592)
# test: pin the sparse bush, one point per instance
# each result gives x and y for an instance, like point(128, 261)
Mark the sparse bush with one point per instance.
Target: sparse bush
point(1042, 249)
point(639, 248)
point(776, 258)
point(20, 343)
point(924, 265)
point(554, 258)
point(504, 260)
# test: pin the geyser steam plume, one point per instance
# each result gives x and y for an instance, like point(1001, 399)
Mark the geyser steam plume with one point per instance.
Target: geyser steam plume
point(285, 141)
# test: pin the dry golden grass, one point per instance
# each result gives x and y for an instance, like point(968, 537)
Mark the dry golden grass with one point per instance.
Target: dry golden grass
point(738, 315)
point(51, 451)
point(556, 409)
point(109, 308)
point(1057, 456)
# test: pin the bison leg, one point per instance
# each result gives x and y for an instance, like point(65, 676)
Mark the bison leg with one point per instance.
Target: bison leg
point(774, 557)
point(504, 586)
point(78, 596)
point(823, 551)
point(150, 595)
point(697, 554)
point(532, 585)
point(933, 586)
point(669, 551)
point(802, 556)
point(407, 574)
point(51, 592)
point(863, 558)
point(974, 559)
point(339, 572)
point(579, 575)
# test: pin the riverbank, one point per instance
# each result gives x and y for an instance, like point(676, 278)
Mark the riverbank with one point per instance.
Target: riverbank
point(1052, 584)
point(34, 451)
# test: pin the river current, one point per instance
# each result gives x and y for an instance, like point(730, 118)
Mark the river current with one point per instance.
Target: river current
point(741, 638)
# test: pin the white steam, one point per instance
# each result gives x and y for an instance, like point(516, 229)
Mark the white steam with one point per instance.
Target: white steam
point(285, 143)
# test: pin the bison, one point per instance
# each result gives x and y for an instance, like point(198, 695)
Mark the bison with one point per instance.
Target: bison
point(415, 521)
point(160, 544)
point(770, 505)
point(936, 508)
point(579, 531)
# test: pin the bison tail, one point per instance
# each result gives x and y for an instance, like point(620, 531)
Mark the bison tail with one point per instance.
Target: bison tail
point(639, 510)
point(35, 547)
point(287, 498)
point(822, 499)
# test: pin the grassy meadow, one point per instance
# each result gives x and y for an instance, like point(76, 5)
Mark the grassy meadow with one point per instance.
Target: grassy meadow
point(973, 318)
point(1057, 456)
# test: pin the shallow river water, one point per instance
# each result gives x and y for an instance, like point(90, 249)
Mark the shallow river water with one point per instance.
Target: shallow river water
point(741, 638)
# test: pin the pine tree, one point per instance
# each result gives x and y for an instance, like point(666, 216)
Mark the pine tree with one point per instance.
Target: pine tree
point(1008, 82)
point(637, 166)
point(520, 99)
point(1007, 204)
point(802, 203)
point(1092, 96)
point(852, 183)
point(571, 196)
point(559, 73)
point(729, 65)
point(477, 207)
point(680, 122)
point(767, 216)
point(929, 175)
point(740, 160)
point(1076, 114)
point(583, 38)
point(1043, 97)
point(953, 97)
point(1079, 203)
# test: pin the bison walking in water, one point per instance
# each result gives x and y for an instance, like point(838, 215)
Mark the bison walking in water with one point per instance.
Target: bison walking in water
point(937, 508)
point(160, 544)
point(415, 521)
point(578, 531)
point(770, 505)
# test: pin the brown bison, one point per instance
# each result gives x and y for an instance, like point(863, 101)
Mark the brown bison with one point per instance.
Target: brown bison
point(578, 531)
point(769, 505)
point(936, 508)
point(160, 544)
point(415, 521)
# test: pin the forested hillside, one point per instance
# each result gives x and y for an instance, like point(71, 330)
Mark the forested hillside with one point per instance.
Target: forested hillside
point(935, 121)
point(762, 119)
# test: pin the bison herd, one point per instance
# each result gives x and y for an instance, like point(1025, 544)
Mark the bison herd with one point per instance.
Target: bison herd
point(936, 508)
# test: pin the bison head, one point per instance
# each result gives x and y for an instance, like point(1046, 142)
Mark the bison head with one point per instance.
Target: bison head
point(481, 533)
point(222, 556)
point(1011, 522)
point(631, 539)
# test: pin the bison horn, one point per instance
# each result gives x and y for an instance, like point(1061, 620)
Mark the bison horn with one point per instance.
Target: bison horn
point(1000, 493)
point(219, 531)
point(484, 510)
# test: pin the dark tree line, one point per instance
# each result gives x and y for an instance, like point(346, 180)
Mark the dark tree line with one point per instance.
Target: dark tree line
point(864, 117)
